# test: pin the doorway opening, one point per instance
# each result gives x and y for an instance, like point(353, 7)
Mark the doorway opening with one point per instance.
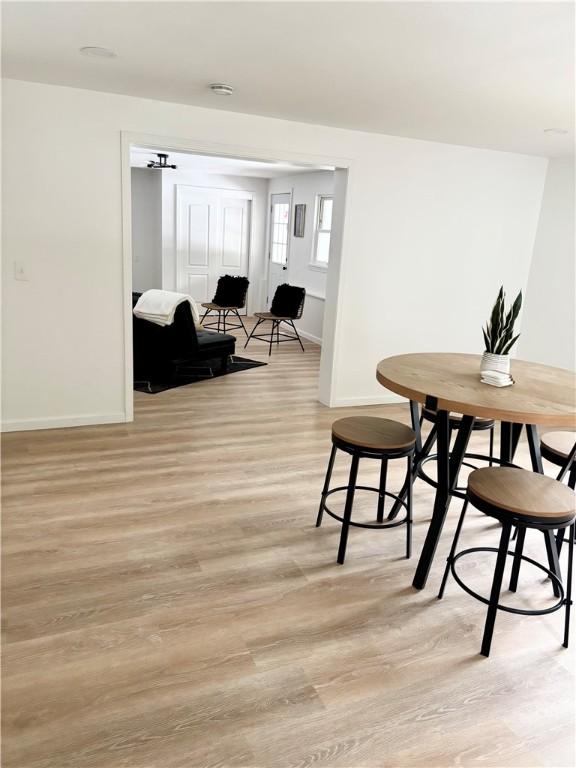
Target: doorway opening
point(215, 215)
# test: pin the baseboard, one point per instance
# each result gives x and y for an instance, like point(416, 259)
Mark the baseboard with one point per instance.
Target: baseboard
point(62, 422)
point(310, 337)
point(384, 399)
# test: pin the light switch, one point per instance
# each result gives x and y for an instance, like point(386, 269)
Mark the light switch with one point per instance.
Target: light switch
point(20, 272)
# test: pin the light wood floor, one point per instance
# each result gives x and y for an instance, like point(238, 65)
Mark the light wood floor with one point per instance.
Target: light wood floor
point(168, 602)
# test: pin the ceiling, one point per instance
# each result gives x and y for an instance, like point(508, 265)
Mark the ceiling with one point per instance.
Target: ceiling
point(229, 166)
point(485, 74)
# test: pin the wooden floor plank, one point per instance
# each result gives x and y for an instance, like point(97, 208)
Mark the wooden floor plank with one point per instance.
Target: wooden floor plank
point(167, 601)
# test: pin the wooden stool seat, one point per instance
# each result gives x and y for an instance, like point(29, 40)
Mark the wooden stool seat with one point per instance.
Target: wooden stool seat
point(373, 433)
point(560, 444)
point(522, 493)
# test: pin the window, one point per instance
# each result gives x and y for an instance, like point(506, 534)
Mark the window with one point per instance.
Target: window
point(321, 253)
point(279, 240)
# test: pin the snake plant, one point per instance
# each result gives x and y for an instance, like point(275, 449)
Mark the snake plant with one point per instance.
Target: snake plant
point(499, 332)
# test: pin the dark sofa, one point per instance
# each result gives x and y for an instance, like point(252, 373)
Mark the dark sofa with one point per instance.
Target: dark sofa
point(161, 353)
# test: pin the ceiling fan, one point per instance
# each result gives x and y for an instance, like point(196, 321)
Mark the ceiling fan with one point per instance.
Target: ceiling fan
point(162, 163)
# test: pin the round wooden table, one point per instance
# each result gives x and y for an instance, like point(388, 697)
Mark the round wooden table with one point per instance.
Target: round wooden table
point(446, 382)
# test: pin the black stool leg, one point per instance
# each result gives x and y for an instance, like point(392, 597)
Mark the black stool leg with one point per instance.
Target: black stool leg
point(517, 559)
point(571, 534)
point(553, 562)
point(348, 509)
point(272, 337)
point(381, 496)
point(491, 446)
point(452, 550)
point(204, 316)
point(326, 485)
point(560, 539)
point(496, 587)
point(409, 508)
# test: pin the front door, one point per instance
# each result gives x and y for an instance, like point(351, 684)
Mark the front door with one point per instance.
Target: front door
point(212, 238)
point(280, 218)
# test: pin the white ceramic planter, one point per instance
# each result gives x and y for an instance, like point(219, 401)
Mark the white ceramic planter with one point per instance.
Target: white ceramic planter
point(492, 362)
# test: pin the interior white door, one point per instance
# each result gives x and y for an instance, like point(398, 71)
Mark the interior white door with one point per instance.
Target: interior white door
point(212, 238)
point(279, 239)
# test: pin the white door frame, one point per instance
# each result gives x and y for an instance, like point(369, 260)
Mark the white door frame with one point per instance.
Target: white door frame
point(338, 252)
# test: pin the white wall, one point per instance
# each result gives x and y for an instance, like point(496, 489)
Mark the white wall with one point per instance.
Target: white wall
point(305, 187)
point(259, 190)
point(430, 232)
point(146, 229)
point(549, 322)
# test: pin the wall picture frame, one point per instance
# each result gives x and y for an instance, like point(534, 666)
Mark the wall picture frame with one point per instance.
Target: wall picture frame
point(299, 219)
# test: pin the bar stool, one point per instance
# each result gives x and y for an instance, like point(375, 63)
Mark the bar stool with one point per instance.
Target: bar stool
point(523, 500)
point(369, 437)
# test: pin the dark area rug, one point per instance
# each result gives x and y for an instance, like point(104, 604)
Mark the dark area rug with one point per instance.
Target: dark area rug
point(209, 369)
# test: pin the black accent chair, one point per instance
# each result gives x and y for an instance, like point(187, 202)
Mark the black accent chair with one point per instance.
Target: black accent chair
point(230, 296)
point(287, 306)
point(162, 353)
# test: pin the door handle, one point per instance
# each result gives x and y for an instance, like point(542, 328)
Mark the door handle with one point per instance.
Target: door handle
point(284, 269)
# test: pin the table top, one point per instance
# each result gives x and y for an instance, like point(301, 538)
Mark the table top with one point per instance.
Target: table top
point(541, 394)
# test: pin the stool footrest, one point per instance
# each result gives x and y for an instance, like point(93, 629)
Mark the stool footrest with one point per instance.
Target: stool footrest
point(394, 496)
point(508, 608)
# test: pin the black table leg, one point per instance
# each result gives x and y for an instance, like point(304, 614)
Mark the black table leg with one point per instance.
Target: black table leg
point(534, 446)
point(415, 418)
point(418, 456)
point(509, 437)
point(537, 466)
point(448, 470)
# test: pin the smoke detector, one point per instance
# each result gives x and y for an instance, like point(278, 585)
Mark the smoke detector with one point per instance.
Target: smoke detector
point(221, 89)
point(161, 164)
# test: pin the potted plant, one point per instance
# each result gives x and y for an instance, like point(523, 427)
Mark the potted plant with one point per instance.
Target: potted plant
point(499, 334)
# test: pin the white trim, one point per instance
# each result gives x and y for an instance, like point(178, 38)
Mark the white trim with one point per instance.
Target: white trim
point(236, 151)
point(388, 399)
point(310, 337)
point(62, 422)
point(240, 194)
point(315, 296)
point(127, 282)
point(240, 151)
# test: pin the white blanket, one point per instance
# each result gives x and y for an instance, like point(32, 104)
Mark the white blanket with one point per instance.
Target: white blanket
point(159, 306)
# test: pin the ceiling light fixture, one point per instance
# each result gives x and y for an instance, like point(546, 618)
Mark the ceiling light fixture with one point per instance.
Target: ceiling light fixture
point(221, 89)
point(556, 131)
point(161, 164)
point(98, 52)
